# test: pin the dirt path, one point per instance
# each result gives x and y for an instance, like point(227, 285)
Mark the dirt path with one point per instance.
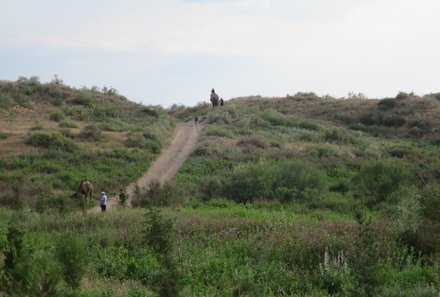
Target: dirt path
point(183, 142)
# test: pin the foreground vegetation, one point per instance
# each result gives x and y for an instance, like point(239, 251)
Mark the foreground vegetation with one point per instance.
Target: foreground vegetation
point(295, 196)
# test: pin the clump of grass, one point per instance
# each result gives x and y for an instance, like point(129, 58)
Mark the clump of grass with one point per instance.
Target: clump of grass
point(4, 135)
point(37, 127)
point(144, 141)
point(50, 140)
point(6, 101)
point(215, 130)
point(56, 116)
point(67, 124)
point(91, 132)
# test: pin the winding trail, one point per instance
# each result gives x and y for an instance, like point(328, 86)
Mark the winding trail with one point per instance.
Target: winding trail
point(183, 142)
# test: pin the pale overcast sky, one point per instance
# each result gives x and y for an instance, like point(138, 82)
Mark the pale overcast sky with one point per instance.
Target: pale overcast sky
point(175, 51)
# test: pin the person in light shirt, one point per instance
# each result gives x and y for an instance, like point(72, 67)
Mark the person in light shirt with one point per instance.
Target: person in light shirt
point(103, 202)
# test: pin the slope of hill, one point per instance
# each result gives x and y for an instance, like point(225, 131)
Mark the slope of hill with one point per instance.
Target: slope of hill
point(295, 196)
point(53, 136)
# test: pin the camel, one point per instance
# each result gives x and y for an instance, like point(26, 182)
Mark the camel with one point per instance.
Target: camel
point(85, 188)
point(214, 99)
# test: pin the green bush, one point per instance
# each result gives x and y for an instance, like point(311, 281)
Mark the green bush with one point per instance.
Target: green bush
point(67, 124)
point(71, 253)
point(300, 177)
point(67, 133)
point(146, 141)
point(214, 130)
point(419, 126)
point(56, 116)
point(23, 100)
point(371, 118)
point(339, 136)
point(4, 135)
point(250, 183)
point(386, 104)
point(50, 140)
point(6, 101)
point(56, 101)
point(91, 132)
point(84, 99)
point(377, 180)
point(394, 121)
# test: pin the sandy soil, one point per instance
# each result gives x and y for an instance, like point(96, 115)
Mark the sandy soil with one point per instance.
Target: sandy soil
point(183, 142)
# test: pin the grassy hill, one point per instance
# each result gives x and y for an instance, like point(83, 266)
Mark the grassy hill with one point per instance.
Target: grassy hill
point(294, 196)
point(52, 136)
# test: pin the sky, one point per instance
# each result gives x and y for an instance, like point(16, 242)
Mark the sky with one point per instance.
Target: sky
point(174, 51)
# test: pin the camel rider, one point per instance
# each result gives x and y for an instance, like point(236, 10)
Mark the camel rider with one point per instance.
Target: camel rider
point(103, 202)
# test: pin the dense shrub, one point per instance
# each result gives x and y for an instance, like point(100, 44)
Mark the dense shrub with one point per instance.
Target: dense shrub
point(91, 132)
point(56, 116)
point(70, 252)
point(144, 140)
point(386, 104)
point(300, 176)
point(377, 180)
point(219, 131)
point(82, 98)
point(157, 195)
point(419, 126)
point(394, 121)
point(339, 136)
point(6, 101)
point(50, 140)
point(67, 124)
point(371, 118)
point(250, 183)
point(253, 141)
point(402, 96)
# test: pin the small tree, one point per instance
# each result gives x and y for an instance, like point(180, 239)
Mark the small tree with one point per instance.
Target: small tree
point(70, 252)
point(159, 236)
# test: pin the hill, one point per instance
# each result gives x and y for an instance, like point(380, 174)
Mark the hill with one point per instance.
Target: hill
point(52, 136)
point(294, 196)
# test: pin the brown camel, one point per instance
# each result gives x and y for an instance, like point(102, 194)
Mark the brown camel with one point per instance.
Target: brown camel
point(85, 188)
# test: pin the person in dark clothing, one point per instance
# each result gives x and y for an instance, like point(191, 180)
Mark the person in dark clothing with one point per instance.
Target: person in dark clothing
point(196, 119)
point(221, 102)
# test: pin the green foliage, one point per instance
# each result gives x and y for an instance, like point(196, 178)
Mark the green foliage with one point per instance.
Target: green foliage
point(219, 131)
point(50, 140)
point(157, 195)
point(70, 252)
point(56, 116)
point(365, 268)
point(91, 132)
point(377, 180)
point(15, 279)
point(394, 121)
point(159, 235)
point(67, 124)
point(386, 104)
point(4, 135)
point(300, 177)
point(419, 126)
point(146, 141)
point(371, 118)
point(6, 101)
point(250, 183)
point(82, 98)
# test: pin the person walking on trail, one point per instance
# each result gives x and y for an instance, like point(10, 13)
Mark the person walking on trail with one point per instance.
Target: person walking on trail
point(196, 119)
point(122, 198)
point(103, 202)
point(221, 101)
